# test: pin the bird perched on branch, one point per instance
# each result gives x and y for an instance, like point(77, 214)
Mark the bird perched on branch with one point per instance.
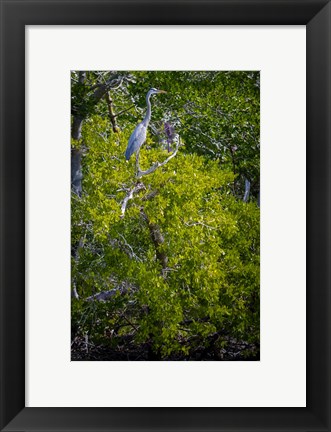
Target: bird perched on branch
point(138, 136)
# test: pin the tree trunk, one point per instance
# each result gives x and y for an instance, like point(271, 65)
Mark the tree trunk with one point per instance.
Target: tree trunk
point(76, 171)
point(247, 190)
point(158, 240)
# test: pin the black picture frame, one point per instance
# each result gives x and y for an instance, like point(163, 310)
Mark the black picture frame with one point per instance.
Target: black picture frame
point(15, 15)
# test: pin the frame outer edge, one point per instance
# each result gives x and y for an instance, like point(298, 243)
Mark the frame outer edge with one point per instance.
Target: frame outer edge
point(12, 212)
point(318, 214)
point(12, 218)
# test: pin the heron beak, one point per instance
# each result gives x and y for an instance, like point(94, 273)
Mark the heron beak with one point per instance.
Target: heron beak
point(162, 91)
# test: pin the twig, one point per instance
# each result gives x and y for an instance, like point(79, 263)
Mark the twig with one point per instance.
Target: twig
point(122, 112)
point(128, 321)
point(133, 255)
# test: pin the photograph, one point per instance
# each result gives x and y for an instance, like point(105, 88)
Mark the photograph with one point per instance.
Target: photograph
point(165, 215)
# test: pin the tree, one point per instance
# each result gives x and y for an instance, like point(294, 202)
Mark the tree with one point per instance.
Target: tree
point(178, 269)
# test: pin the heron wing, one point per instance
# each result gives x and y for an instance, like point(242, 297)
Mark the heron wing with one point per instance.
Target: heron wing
point(137, 138)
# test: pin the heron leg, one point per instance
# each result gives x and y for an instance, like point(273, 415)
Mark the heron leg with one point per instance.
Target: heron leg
point(137, 162)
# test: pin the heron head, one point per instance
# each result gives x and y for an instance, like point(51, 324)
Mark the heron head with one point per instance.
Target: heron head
point(155, 91)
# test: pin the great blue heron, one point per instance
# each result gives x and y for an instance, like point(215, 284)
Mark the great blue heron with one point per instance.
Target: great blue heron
point(138, 136)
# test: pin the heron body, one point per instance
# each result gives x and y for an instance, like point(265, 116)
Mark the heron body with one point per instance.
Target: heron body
point(138, 136)
point(137, 139)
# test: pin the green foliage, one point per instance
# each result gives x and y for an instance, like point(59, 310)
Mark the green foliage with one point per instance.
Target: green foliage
point(217, 114)
point(207, 234)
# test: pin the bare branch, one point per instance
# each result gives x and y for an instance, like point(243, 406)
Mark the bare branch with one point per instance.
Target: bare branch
point(132, 254)
point(106, 295)
point(156, 165)
point(111, 113)
point(122, 288)
point(139, 186)
point(103, 88)
point(200, 223)
point(125, 110)
point(74, 292)
point(125, 247)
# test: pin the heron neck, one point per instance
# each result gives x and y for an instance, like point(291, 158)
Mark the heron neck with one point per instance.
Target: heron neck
point(149, 110)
